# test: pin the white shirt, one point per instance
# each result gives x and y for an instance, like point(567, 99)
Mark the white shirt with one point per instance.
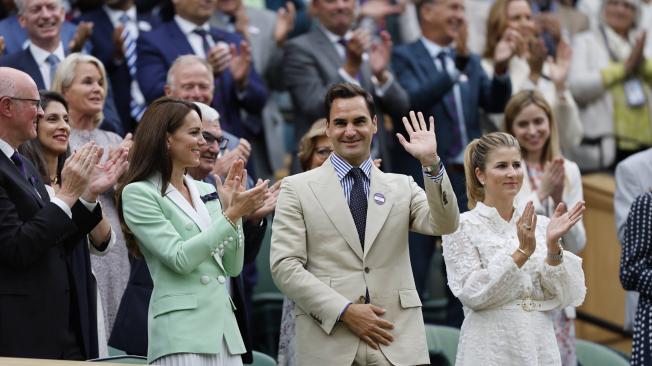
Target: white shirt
point(195, 40)
point(40, 55)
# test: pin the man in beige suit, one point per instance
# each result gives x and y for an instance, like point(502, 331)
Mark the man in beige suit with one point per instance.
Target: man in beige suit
point(340, 241)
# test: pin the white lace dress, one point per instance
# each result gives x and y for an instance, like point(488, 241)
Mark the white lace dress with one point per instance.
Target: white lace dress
point(483, 275)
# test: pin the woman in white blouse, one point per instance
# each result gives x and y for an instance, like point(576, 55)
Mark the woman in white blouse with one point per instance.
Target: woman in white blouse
point(506, 265)
point(549, 180)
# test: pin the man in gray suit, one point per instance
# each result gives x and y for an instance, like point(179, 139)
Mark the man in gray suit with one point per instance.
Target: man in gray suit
point(633, 178)
point(266, 32)
point(331, 53)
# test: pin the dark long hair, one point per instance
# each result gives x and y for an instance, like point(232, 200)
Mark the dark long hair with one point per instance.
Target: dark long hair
point(33, 149)
point(149, 154)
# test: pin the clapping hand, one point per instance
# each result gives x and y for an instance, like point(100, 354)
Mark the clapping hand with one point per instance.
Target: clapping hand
point(560, 66)
point(636, 56)
point(83, 33)
point(269, 204)
point(561, 222)
point(244, 202)
point(104, 176)
point(225, 189)
point(240, 64)
point(526, 229)
point(284, 23)
point(77, 172)
point(423, 142)
point(380, 53)
point(552, 184)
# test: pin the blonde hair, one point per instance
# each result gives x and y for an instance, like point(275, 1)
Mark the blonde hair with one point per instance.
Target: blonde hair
point(497, 23)
point(517, 104)
point(66, 74)
point(308, 142)
point(476, 155)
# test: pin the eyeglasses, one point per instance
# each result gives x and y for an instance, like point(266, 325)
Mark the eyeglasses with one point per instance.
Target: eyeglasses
point(35, 102)
point(324, 151)
point(211, 139)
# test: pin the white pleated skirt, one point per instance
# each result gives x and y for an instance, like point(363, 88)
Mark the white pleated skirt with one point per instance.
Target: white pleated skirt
point(223, 358)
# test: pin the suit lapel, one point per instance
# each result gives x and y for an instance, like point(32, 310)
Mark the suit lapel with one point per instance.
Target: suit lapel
point(31, 68)
point(177, 37)
point(326, 47)
point(27, 187)
point(428, 66)
point(328, 191)
point(379, 205)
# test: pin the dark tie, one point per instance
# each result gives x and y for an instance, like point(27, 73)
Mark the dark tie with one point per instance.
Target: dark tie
point(204, 39)
point(449, 100)
point(358, 202)
point(18, 161)
point(20, 164)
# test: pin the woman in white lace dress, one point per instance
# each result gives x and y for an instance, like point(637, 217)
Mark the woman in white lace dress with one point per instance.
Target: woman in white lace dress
point(507, 267)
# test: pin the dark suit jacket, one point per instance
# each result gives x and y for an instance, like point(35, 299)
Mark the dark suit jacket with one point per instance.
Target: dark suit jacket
point(310, 67)
point(36, 237)
point(102, 47)
point(25, 62)
point(427, 86)
point(158, 49)
point(130, 328)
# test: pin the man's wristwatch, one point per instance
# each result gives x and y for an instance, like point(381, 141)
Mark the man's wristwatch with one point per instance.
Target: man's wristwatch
point(434, 168)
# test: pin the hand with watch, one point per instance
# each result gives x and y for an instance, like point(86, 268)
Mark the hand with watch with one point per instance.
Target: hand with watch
point(560, 223)
point(422, 142)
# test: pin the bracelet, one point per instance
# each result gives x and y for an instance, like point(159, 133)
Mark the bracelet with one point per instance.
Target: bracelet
point(524, 253)
point(557, 257)
point(229, 220)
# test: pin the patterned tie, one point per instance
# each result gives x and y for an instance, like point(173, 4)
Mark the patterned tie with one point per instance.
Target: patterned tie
point(53, 61)
point(204, 40)
point(449, 100)
point(136, 108)
point(358, 203)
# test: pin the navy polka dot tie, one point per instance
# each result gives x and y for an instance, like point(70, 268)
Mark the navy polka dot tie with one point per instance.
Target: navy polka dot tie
point(358, 202)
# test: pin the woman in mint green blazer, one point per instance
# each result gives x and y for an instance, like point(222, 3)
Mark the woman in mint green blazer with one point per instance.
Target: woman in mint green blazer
point(191, 242)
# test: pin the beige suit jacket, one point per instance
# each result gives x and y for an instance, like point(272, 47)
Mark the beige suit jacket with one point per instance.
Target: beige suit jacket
point(318, 262)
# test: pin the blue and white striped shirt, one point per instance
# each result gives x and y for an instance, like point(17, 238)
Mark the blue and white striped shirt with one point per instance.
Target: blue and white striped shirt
point(342, 168)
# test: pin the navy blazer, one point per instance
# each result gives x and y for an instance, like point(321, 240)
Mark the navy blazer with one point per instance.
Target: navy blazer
point(427, 86)
point(102, 47)
point(25, 62)
point(158, 49)
point(36, 281)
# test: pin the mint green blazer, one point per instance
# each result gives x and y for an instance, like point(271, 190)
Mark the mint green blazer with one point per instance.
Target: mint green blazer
point(190, 253)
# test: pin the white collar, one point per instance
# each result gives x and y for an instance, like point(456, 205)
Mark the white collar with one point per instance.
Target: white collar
point(187, 26)
point(114, 15)
point(334, 38)
point(433, 48)
point(492, 214)
point(199, 214)
point(40, 54)
point(6, 148)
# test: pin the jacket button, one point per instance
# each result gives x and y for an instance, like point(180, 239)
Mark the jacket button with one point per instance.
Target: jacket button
point(366, 269)
point(221, 279)
point(205, 280)
point(189, 226)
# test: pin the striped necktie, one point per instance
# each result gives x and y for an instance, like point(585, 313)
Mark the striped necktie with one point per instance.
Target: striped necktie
point(53, 61)
point(136, 108)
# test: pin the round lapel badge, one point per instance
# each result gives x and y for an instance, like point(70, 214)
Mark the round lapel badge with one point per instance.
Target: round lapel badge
point(379, 198)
